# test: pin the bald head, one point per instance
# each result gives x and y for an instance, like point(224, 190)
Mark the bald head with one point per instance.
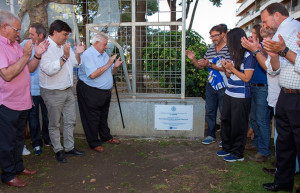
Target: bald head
point(99, 38)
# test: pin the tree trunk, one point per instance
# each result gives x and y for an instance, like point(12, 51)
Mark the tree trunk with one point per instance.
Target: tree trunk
point(140, 42)
point(193, 15)
point(172, 5)
point(37, 11)
point(188, 5)
point(85, 20)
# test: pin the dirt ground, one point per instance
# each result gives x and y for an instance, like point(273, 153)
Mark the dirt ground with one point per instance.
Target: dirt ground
point(136, 165)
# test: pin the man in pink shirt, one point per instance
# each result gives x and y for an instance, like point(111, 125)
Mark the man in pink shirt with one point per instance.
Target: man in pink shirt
point(15, 97)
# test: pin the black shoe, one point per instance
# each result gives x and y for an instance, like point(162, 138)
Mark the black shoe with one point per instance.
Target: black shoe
point(278, 187)
point(269, 171)
point(74, 152)
point(273, 164)
point(60, 156)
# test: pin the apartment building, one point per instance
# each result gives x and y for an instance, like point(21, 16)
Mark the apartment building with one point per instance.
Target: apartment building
point(249, 11)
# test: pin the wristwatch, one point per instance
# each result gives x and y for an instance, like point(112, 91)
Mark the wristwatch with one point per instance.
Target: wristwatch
point(63, 59)
point(282, 53)
point(255, 52)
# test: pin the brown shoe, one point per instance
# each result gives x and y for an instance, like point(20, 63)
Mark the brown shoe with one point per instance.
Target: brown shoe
point(16, 182)
point(98, 149)
point(258, 158)
point(250, 147)
point(27, 171)
point(114, 141)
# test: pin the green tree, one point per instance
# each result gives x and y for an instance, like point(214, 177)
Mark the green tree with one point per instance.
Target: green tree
point(172, 6)
point(87, 9)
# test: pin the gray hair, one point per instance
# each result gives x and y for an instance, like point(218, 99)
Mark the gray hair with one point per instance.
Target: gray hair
point(99, 38)
point(7, 17)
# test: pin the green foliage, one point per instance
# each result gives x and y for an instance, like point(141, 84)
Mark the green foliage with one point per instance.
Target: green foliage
point(195, 79)
point(217, 3)
point(125, 9)
point(152, 7)
point(162, 61)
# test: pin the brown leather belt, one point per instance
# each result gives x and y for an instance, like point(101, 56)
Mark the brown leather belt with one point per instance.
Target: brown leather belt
point(290, 91)
point(258, 84)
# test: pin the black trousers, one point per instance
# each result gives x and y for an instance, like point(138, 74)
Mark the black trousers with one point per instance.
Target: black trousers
point(234, 127)
point(12, 138)
point(287, 118)
point(94, 107)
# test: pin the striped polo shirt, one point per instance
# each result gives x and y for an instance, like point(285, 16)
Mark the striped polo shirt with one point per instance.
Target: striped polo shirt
point(212, 53)
point(236, 87)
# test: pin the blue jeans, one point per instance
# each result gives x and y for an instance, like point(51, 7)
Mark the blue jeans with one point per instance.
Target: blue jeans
point(260, 119)
point(34, 122)
point(214, 99)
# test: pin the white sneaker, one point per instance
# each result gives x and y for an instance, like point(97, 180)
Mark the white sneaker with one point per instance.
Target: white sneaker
point(25, 151)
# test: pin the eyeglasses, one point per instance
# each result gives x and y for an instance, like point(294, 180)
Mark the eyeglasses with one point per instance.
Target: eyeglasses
point(17, 30)
point(213, 36)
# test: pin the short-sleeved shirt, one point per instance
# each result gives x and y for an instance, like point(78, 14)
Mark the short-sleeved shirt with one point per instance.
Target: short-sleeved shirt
point(14, 94)
point(236, 87)
point(91, 60)
point(212, 53)
point(259, 75)
point(34, 76)
point(217, 79)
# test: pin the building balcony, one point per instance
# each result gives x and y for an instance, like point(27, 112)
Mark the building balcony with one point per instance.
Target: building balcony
point(250, 17)
point(244, 6)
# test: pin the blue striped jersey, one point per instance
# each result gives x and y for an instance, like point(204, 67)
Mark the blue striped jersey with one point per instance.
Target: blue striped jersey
point(236, 87)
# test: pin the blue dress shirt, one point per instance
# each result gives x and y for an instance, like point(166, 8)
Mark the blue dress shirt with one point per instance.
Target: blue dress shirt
point(91, 60)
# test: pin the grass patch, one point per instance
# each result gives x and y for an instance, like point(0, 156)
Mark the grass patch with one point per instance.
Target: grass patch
point(142, 154)
point(246, 177)
point(126, 163)
point(165, 143)
point(179, 169)
point(162, 186)
point(126, 184)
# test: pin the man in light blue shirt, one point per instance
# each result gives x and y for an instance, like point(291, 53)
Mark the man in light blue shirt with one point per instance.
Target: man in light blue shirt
point(94, 92)
point(37, 33)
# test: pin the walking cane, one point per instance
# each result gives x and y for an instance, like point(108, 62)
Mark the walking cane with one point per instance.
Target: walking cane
point(118, 101)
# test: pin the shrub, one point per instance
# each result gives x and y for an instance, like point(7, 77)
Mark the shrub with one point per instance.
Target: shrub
point(163, 64)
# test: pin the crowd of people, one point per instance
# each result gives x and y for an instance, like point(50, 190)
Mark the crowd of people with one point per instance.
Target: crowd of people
point(262, 75)
point(249, 77)
point(38, 72)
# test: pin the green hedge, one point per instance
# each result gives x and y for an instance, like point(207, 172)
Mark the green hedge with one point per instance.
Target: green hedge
point(163, 52)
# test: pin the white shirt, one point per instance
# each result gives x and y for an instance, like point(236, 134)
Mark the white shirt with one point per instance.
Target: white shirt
point(273, 87)
point(52, 75)
point(273, 90)
point(289, 77)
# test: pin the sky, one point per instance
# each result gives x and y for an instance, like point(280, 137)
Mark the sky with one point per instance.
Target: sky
point(208, 15)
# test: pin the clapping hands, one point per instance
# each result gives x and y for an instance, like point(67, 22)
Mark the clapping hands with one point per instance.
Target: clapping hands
point(41, 47)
